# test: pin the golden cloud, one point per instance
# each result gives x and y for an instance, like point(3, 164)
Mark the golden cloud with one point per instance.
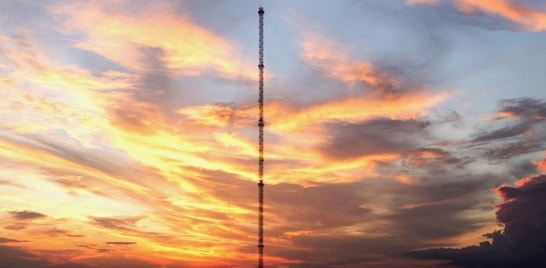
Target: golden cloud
point(531, 19)
point(328, 56)
point(185, 47)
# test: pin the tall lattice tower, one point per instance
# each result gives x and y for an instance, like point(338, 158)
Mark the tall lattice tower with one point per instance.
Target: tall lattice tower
point(261, 143)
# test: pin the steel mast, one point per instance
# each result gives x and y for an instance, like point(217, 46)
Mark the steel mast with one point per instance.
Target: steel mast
point(261, 143)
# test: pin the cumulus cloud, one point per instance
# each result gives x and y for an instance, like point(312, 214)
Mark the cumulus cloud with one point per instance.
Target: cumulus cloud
point(522, 211)
point(521, 241)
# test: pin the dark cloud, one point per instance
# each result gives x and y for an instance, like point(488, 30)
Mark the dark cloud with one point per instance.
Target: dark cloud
point(20, 220)
point(318, 250)
point(122, 224)
point(60, 232)
point(26, 215)
point(435, 210)
point(121, 261)
point(128, 226)
point(521, 243)
point(16, 226)
point(525, 113)
point(95, 247)
point(372, 137)
point(327, 206)
point(522, 130)
point(525, 108)
point(422, 214)
point(69, 265)
point(120, 243)
point(13, 257)
point(510, 150)
point(524, 207)
point(503, 133)
point(9, 240)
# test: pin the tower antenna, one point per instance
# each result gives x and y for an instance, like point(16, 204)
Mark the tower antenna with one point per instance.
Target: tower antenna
point(261, 143)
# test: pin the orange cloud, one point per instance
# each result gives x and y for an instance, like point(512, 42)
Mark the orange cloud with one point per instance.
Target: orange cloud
point(328, 56)
point(282, 117)
point(541, 164)
point(127, 174)
point(186, 48)
point(530, 19)
point(331, 58)
point(430, 156)
point(293, 133)
point(208, 115)
point(353, 110)
point(59, 123)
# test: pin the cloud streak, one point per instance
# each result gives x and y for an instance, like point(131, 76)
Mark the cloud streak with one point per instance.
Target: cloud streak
point(520, 13)
point(104, 27)
point(128, 133)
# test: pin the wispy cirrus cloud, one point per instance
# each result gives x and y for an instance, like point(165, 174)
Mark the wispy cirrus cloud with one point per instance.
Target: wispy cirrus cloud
point(522, 13)
point(324, 55)
point(517, 128)
point(104, 27)
point(529, 18)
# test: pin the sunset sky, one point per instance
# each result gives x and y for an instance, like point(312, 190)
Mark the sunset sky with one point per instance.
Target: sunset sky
point(128, 130)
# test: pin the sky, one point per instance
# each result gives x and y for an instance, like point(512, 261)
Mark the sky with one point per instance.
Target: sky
point(398, 133)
